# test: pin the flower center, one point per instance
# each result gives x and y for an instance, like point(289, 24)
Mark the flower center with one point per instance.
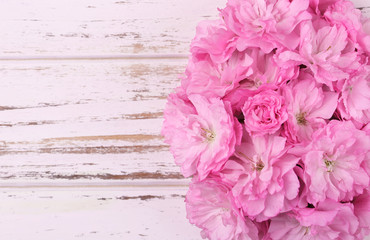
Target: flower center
point(256, 165)
point(224, 209)
point(307, 230)
point(301, 118)
point(329, 165)
point(259, 165)
point(209, 135)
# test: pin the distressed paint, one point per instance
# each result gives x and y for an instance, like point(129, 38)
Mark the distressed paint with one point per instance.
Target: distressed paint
point(85, 27)
point(95, 213)
point(83, 86)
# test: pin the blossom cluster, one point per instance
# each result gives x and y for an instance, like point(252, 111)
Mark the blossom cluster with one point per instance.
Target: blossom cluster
point(271, 121)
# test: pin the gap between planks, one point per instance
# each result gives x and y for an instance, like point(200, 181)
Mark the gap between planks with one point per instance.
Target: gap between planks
point(94, 57)
point(106, 184)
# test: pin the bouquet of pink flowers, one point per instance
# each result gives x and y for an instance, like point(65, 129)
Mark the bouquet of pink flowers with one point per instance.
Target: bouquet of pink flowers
point(272, 122)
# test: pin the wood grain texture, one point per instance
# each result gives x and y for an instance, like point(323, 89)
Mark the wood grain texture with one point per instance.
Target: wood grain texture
point(95, 27)
point(80, 120)
point(95, 214)
point(361, 3)
point(83, 86)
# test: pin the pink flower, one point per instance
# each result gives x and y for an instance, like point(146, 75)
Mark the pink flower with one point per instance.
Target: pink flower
point(344, 13)
point(213, 39)
point(266, 74)
point(266, 71)
point(362, 212)
point(308, 107)
point(320, 6)
point(176, 113)
point(326, 51)
point(210, 206)
point(333, 163)
point(264, 113)
point(329, 220)
point(216, 80)
point(363, 37)
point(354, 102)
point(272, 122)
point(265, 23)
point(202, 133)
point(262, 177)
point(237, 98)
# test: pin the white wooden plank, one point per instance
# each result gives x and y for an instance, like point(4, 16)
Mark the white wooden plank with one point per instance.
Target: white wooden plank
point(57, 168)
point(366, 11)
point(75, 121)
point(95, 213)
point(95, 27)
point(47, 132)
point(75, 99)
point(361, 3)
point(40, 83)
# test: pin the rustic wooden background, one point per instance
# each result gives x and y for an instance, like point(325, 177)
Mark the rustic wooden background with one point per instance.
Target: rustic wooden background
point(82, 89)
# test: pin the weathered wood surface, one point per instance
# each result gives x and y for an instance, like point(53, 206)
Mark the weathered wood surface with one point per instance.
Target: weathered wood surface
point(95, 27)
point(95, 213)
point(80, 120)
point(82, 89)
